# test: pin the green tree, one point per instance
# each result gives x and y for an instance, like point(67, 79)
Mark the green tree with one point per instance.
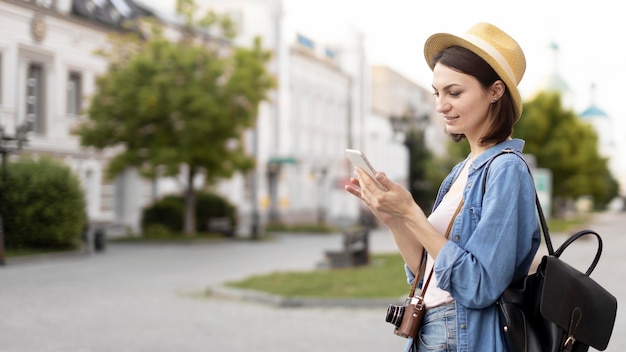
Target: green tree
point(182, 106)
point(457, 151)
point(568, 147)
point(424, 178)
point(565, 145)
point(43, 204)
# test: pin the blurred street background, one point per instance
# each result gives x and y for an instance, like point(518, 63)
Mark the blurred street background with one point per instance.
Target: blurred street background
point(152, 298)
point(164, 122)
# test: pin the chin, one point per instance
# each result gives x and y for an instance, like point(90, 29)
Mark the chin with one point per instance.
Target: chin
point(453, 130)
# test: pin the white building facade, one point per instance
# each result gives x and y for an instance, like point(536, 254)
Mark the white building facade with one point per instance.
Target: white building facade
point(47, 72)
point(315, 113)
point(322, 105)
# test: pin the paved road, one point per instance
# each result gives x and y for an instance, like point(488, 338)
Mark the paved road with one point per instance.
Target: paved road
point(151, 298)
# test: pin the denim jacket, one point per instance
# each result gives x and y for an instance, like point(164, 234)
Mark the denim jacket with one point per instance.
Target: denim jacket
point(493, 241)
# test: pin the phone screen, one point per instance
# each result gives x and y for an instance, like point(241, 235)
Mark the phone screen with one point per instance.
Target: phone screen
point(360, 160)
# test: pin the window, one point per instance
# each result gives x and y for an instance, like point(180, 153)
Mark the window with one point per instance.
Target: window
point(35, 108)
point(74, 93)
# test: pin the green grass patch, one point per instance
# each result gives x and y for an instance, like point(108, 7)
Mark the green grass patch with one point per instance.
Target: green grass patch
point(383, 278)
point(300, 228)
point(170, 237)
point(569, 225)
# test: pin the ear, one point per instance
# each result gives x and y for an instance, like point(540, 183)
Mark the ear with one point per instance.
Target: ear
point(497, 89)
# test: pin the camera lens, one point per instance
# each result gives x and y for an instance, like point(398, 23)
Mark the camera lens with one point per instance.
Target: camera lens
point(391, 311)
point(394, 314)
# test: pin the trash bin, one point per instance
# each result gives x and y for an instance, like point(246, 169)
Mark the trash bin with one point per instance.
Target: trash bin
point(99, 240)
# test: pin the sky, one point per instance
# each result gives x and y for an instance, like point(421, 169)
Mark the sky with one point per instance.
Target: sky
point(588, 34)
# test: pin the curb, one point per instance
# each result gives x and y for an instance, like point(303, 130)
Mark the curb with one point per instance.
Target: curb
point(45, 257)
point(298, 302)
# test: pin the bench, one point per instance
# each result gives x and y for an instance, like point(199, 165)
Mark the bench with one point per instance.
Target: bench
point(355, 250)
point(221, 225)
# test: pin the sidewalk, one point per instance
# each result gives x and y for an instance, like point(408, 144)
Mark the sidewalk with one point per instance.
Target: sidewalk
point(152, 298)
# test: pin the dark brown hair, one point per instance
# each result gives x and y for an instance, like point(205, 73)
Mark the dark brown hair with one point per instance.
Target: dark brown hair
point(502, 114)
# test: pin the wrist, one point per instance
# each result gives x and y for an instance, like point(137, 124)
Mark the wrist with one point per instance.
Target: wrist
point(410, 216)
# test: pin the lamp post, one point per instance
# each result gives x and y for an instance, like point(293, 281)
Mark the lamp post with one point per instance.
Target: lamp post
point(412, 126)
point(9, 144)
point(320, 172)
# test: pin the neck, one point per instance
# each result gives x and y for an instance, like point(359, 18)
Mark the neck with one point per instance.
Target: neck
point(476, 148)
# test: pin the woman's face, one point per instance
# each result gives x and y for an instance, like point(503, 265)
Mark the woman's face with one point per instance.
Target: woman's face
point(462, 101)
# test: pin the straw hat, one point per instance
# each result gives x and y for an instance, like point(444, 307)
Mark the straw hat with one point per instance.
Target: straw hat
point(489, 42)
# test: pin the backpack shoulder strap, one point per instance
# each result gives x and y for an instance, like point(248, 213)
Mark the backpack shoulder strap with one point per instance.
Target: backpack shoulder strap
point(542, 218)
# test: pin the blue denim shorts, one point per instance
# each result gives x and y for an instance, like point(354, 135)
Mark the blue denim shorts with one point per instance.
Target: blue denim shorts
point(438, 330)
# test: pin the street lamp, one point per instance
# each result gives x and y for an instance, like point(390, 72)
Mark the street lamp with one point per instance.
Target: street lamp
point(412, 127)
point(9, 144)
point(320, 172)
point(408, 122)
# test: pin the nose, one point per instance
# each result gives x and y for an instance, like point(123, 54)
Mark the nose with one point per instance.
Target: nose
point(441, 105)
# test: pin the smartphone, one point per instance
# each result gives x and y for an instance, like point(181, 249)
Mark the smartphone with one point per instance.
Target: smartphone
point(360, 160)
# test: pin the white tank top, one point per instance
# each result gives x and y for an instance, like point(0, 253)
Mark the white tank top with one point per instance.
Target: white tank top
point(440, 219)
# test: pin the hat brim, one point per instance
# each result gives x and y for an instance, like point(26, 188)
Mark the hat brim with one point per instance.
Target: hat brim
point(440, 41)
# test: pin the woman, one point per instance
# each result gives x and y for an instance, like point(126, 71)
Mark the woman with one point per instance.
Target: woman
point(495, 235)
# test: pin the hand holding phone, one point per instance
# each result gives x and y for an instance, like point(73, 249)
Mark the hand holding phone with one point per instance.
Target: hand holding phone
point(360, 160)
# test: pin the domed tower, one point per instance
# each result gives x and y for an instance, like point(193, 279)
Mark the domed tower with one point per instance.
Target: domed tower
point(602, 124)
point(609, 145)
point(555, 82)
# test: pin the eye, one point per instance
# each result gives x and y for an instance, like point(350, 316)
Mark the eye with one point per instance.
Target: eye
point(455, 94)
point(436, 94)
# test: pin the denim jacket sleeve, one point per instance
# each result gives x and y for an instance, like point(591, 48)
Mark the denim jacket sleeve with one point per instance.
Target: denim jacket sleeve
point(495, 236)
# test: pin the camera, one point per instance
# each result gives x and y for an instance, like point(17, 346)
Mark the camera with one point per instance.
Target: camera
point(395, 314)
point(407, 318)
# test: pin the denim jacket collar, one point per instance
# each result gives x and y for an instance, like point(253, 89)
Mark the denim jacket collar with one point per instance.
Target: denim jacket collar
point(516, 145)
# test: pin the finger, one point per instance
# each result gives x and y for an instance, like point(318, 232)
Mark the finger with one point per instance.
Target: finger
point(382, 178)
point(356, 191)
point(365, 180)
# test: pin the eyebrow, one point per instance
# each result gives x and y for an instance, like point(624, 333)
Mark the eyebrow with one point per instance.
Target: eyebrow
point(448, 86)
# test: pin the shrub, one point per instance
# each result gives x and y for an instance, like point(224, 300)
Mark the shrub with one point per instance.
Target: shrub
point(211, 205)
point(168, 212)
point(157, 231)
point(43, 205)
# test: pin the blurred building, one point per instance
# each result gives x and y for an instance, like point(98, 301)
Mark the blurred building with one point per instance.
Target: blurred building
point(47, 69)
point(611, 140)
point(326, 101)
point(315, 113)
point(393, 95)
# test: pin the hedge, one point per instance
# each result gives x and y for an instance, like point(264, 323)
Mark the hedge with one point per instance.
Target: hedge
point(43, 205)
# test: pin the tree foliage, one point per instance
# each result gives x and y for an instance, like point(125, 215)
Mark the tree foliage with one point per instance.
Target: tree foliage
point(179, 105)
point(167, 212)
point(424, 172)
point(567, 146)
point(564, 144)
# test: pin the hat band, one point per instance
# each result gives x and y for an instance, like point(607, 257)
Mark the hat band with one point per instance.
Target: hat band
point(493, 52)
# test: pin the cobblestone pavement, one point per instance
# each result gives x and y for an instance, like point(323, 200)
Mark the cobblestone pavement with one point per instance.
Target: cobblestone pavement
point(151, 298)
